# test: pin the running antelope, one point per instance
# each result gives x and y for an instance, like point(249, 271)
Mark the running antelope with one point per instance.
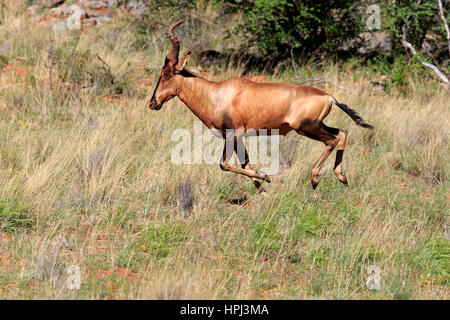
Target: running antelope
point(242, 106)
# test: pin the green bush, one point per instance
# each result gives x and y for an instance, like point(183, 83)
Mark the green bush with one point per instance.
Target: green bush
point(278, 26)
point(418, 17)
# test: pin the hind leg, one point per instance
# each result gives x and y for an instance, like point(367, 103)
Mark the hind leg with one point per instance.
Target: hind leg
point(330, 137)
point(339, 154)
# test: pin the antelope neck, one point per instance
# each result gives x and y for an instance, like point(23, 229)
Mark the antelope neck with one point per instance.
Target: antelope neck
point(198, 94)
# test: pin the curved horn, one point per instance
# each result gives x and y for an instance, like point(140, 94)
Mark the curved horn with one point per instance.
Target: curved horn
point(173, 54)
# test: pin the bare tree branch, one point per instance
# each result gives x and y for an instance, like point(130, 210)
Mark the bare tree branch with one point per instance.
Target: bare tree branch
point(426, 64)
point(142, 74)
point(294, 65)
point(427, 48)
point(107, 69)
point(441, 14)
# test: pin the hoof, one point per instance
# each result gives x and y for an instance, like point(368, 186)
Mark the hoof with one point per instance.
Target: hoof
point(263, 193)
point(314, 184)
point(343, 179)
point(265, 178)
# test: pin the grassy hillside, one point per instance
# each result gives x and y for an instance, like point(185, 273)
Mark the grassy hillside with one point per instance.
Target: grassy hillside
point(86, 179)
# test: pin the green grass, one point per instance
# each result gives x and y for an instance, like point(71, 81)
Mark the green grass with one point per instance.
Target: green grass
point(86, 179)
point(15, 217)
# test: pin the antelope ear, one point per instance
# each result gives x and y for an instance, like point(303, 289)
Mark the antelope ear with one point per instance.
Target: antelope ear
point(182, 62)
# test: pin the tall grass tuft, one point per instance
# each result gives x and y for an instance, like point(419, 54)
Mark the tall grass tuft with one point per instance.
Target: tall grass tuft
point(185, 198)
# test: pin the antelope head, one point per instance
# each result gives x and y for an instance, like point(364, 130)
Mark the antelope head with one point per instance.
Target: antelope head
point(167, 86)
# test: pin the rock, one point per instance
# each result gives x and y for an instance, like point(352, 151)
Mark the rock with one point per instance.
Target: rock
point(112, 3)
point(132, 4)
point(61, 11)
point(76, 15)
point(60, 27)
point(4, 47)
point(73, 22)
point(92, 13)
point(33, 10)
point(50, 3)
point(95, 5)
point(38, 18)
point(103, 19)
point(45, 20)
point(374, 280)
point(98, 20)
point(74, 9)
point(12, 4)
point(137, 8)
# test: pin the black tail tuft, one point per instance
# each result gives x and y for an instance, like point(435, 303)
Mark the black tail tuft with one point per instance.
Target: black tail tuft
point(354, 115)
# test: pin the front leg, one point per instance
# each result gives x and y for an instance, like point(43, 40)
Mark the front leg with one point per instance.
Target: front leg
point(242, 155)
point(231, 141)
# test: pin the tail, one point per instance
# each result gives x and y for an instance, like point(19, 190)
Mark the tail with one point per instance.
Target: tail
point(354, 115)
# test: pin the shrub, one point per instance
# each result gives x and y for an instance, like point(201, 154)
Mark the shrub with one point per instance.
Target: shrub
point(14, 217)
point(277, 27)
point(83, 69)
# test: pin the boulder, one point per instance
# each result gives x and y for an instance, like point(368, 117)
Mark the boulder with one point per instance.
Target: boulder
point(12, 3)
point(60, 27)
point(77, 14)
point(33, 10)
point(137, 8)
point(98, 20)
point(93, 13)
point(45, 20)
point(5, 47)
point(61, 11)
point(50, 3)
point(74, 9)
point(94, 5)
point(112, 3)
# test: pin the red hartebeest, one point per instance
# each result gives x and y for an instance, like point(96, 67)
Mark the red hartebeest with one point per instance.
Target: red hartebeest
point(242, 106)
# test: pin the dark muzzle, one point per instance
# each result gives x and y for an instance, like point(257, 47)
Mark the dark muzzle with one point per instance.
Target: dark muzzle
point(153, 105)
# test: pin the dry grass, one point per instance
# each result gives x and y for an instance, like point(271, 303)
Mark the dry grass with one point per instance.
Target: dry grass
point(86, 179)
